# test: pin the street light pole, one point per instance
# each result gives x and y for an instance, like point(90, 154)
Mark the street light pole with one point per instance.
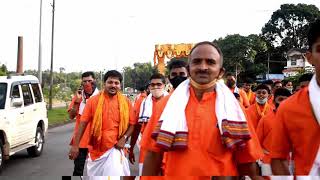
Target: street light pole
point(51, 66)
point(39, 55)
point(123, 81)
point(268, 65)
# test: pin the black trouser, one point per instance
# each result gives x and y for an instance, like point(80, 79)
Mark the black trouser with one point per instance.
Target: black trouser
point(80, 161)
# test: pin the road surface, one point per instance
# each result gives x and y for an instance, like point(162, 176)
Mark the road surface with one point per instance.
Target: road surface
point(53, 161)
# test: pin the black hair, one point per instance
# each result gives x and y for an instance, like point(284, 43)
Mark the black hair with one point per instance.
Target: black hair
point(87, 74)
point(229, 74)
point(211, 44)
point(285, 82)
point(158, 76)
point(276, 82)
point(142, 88)
point(268, 82)
point(176, 64)
point(112, 73)
point(282, 92)
point(249, 81)
point(236, 95)
point(263, 86)
point(305, 77)
point(314, 33)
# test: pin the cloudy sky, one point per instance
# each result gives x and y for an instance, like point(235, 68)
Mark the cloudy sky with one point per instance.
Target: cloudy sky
point(101, 35)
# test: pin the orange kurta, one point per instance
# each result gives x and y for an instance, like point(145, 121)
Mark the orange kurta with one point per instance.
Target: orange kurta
point(253, 113)
point(297, 130)
point(205, 155)
point(243, 97)
point(264, 133)
point(84, 142)
point(142, 148)
point(251, 96)
point(110, 122)
point(137, 104)
point(271, 102)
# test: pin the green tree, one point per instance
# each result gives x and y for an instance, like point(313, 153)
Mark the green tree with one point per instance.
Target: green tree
point(3, 70)
point(240, 52)
point(139, 75)
point(288, 26)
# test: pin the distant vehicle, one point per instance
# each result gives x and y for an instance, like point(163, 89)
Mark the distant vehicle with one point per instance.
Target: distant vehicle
point(23, 116)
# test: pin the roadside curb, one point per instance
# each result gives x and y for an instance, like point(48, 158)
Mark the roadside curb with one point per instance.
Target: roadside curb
point(61, 123)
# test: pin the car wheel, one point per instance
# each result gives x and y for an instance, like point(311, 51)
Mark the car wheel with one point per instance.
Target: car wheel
point(1, 155)
point(36, 150)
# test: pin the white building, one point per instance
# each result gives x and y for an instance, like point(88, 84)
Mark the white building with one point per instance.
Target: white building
point(296, 63)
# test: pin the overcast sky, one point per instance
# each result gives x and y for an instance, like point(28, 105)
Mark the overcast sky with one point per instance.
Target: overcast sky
point(101, 34)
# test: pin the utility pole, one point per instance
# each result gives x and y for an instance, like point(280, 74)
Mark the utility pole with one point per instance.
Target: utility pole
point(40, 48)
point(268, 65)
point(123, 81)
point(236, 72)
point(51, 66)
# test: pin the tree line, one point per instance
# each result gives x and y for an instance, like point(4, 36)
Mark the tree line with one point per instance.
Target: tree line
point(246, 55)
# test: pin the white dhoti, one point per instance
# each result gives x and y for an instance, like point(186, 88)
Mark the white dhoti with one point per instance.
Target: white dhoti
point(111, 163)
point(266, 169)
point(101, 178)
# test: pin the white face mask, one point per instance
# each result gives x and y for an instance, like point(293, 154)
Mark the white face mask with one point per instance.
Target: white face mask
point(261, 101)
point(156, 92)
point(290, 89)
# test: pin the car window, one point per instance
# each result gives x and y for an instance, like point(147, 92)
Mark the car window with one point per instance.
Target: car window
point(3, 92)
point(36, 92)
point(27, 97)
point(15, 92)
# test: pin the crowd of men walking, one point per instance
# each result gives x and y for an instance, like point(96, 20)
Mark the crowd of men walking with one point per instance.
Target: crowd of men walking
point(204, 126)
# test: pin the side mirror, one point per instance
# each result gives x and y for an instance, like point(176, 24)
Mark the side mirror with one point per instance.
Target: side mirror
point(16, 102)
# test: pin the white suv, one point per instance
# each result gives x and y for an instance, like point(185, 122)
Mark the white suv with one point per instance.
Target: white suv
point(23, 116)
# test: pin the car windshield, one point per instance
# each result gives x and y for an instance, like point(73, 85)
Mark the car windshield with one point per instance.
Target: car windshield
point(3, 93)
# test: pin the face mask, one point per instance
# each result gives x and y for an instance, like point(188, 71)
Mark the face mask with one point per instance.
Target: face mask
point(156, 92)
point(261, 101)
point(176, 81)
point(230, 84)
point(89, 88)
point(290, 89)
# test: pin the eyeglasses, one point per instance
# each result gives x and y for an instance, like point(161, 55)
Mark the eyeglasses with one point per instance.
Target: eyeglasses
point(155, 84)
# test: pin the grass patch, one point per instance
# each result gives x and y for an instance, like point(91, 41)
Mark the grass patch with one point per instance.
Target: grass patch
point(57, 116)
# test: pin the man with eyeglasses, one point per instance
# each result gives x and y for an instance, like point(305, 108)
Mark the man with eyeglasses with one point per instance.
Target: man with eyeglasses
point(147, 107)
point(88, 89)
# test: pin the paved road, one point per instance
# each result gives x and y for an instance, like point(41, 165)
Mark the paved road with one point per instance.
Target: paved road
point(53, 161)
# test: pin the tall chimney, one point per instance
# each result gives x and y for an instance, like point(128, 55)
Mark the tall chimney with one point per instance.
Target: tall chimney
point(20, 55)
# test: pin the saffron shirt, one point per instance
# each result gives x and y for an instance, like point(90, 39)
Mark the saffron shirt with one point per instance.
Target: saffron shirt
point(297, 130)
point(84, 142)
point(110, 122)
point(264, 133)
point(205, 154)
point(256, 111)
point(251, 96)
point(142, 148)
point(137, 104)
point(243, 97)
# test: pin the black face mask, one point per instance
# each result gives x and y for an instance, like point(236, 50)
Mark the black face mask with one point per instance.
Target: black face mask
point(230, 84)
point(176, 81)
